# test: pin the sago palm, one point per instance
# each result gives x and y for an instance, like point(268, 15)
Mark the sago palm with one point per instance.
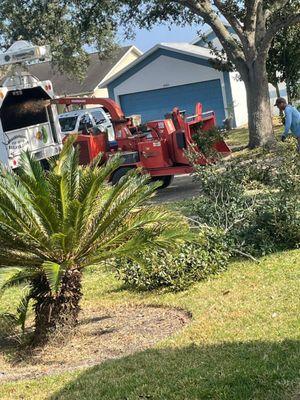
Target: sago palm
point(54, 224)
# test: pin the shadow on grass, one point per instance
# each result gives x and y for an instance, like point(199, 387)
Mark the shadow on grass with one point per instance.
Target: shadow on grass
point(233, 371)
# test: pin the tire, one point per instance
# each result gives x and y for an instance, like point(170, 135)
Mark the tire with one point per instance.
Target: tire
point(119, 173)
point(166, 180)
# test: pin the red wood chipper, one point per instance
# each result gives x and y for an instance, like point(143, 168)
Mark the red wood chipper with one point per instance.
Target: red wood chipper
point(157, 147)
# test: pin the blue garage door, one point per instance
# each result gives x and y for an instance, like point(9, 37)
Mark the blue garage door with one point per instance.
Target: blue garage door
point(154, 104)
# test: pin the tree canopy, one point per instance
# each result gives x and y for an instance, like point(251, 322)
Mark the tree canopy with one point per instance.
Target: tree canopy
point(66, 25)
point(283, 63)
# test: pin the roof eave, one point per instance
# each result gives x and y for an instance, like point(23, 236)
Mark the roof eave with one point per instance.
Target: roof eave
point(132, 48)
point(104, 83)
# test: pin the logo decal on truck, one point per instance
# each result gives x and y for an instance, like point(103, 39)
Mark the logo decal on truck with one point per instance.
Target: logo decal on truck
point(16, 145)
point(42, 135)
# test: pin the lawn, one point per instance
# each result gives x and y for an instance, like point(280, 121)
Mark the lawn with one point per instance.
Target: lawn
point(243, 342)
point(239, 138)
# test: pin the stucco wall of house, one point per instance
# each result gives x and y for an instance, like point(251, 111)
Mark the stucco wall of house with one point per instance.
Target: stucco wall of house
point(273, 96)
point(166, 72)
point(101, 92)
point(126, 60)
point(239, 98)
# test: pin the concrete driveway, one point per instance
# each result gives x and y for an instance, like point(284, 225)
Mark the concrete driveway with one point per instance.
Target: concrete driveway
point(181, 188)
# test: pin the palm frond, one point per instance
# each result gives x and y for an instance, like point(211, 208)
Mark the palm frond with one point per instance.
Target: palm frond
point(31, 172)
point(18, 278)
point(16, 207)
point(128, 194)
point(54, 274)
point(22, 309)
point(8, 323)
point(68, 148)
point(142, 230)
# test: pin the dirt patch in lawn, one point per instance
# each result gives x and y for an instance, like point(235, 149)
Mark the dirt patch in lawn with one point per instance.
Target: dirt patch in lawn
point(102, 334)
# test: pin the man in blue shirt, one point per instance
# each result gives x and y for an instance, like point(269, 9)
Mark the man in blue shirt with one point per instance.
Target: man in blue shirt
point(292, 120)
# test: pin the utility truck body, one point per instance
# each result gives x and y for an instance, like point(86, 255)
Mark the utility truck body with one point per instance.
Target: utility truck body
point(28, 119)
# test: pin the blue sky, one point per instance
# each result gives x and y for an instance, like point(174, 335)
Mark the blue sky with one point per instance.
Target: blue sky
point(144, 39)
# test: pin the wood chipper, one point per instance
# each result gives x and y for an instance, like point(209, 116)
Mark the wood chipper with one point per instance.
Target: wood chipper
point(157, 147)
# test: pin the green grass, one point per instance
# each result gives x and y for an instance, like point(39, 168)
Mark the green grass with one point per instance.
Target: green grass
point(238, 138)
point(243, 342)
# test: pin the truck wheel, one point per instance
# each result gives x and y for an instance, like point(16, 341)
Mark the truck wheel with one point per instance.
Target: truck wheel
point(118, 174)
point(166, 180)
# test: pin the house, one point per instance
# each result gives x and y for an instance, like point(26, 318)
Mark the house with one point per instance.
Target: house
point(177, 74)
point(211, 37)
point(98, 71)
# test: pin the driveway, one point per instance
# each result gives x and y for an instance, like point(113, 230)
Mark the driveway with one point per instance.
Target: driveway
point(182, 188)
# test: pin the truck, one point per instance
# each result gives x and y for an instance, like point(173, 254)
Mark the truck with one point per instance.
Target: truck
point(28, 119)
point(158, 148)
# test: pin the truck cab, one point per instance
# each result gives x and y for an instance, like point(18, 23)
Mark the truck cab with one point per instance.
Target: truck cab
point(81, 121)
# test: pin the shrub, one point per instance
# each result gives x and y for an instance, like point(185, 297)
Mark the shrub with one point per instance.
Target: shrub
point(275, 226)
point(193, 262)
point(253, 222)
point(276, 221)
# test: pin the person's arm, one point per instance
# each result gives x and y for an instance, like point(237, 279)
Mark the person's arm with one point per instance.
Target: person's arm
point(288, 121)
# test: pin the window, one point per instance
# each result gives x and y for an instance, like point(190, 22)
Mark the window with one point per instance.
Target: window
point(67, 124)
point(85, 123)
point(98, 116)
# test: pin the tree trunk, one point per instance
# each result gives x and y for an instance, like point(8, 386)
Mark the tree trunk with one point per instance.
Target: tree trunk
point(278, 94)
point(277, 89)
point(259, 111)
point(288, 90)
point(56, 312)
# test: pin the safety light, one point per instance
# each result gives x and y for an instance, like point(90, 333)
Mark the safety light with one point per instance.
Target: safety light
point(48, 87)
point(22, 51)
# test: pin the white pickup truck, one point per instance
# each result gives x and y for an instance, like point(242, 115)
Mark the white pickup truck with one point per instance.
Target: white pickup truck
point(28, 121)
point(80, 121)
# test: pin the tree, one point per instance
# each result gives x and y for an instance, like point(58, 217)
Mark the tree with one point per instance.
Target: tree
point(54, 224)
point(67, 25)
point(283, 64)
point(255, 24)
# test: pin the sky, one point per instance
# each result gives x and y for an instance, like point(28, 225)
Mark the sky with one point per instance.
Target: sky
point(144, 39)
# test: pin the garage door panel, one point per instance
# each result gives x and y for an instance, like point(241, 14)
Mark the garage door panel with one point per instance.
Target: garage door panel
point(154, 104)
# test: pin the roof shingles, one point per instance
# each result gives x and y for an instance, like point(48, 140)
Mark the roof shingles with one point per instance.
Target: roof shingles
point(64, 85)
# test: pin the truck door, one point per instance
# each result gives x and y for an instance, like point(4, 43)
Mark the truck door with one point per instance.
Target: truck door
point(101, 118)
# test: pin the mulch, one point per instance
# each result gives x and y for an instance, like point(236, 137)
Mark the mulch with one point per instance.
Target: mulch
point(102, 334)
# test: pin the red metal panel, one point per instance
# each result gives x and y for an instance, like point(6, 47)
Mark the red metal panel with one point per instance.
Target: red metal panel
point(154, 154)
point(90, 147)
